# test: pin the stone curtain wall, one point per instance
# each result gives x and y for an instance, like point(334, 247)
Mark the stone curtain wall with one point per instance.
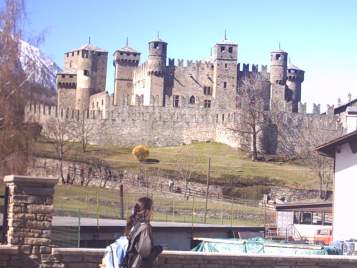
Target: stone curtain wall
point(90, 258)
point(168, 126)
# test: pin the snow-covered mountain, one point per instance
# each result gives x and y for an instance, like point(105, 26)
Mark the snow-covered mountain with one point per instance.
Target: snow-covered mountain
point(40, 68)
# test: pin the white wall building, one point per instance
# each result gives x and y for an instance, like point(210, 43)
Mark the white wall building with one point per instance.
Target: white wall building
point(344, 151)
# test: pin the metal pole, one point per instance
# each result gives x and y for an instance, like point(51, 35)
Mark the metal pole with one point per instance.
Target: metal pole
point(97, 211)
point(173, 210)
point(121, 193)
point(207, 188)
point(79, 228)
point(193, 209)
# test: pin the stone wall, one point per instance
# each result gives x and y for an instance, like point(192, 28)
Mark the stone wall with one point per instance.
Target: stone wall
point(30, 217)
point(9, 257)
point(90, 258)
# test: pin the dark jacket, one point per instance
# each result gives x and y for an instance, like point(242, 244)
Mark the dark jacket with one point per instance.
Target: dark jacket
point(141, 251)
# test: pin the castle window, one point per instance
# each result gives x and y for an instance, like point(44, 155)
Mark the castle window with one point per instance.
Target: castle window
point(71, 76)
point(176, 101)
point(207, 90)
point(63, 75)
point(277, 56)
point(207, 103)
point(128, 54)
point(226, 65)
point(86, 72)
point(78, 52)
point(97, 104)
point(121, 53)
point(192, 100)
point(224, 84)
point(222, 118)
point(222, 49)
point(230, 49)
point(67, 55)
point(72, 54)
point(102, 102)
point(156, 45)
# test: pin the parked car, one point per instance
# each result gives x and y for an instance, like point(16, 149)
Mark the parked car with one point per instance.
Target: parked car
point(323, 237)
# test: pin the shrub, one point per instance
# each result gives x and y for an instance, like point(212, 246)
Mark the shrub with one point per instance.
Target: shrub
point(141, 152)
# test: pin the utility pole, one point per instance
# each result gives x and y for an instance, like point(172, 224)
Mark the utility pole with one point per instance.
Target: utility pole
point(207, 188)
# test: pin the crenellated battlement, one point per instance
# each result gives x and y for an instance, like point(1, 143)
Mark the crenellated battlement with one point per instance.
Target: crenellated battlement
point(190, 64)
point(251, 68)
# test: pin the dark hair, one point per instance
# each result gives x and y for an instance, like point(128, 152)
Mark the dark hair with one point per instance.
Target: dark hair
point(139, 214)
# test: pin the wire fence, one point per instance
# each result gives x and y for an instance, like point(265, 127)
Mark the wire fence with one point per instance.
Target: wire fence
point(105, 203)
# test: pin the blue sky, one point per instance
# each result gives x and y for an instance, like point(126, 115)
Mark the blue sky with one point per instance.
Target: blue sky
point(320, 36)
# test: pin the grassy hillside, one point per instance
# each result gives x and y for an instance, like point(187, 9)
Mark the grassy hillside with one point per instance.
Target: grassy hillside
point(226, 163)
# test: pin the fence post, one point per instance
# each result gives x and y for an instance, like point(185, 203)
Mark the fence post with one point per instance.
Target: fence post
point(173, 210)
point(207, 188)
point(97, 209)
point(232, 211)
point(193, 208)
point(79, 228)
point(121, 193)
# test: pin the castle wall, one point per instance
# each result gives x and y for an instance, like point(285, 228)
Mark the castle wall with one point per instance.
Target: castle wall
point(100, 102)
point(190, 80)
point(152, 125)
point(66, 98)
point(170, 126)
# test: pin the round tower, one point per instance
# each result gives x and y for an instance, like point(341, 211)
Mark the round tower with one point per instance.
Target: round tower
point(278, 67)
point(295, 77)
point(157, 56)
point(86, 77)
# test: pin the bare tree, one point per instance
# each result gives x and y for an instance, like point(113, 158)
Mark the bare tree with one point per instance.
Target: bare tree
point(184, 168)
point(300, 142)
point(15, 135)
point(252, 114)
point(59, 131)
point(102, 171)
point(83, 130)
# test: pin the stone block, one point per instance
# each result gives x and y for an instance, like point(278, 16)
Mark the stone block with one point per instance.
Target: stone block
point(37, 241)
point(26, 249)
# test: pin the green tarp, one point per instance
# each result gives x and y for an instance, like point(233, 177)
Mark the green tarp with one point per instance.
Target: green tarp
point(257, 246)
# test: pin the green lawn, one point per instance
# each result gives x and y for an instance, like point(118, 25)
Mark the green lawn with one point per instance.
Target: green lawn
point(225, 162)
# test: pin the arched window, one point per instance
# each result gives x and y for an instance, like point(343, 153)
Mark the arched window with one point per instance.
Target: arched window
point(192, 100)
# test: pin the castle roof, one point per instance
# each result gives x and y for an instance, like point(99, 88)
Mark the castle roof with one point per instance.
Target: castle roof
point(294, 67)
point(157, 39)
point(90, 47)
point(127, 49)
point(279, 51)
point(67, 71)
point(227, 42)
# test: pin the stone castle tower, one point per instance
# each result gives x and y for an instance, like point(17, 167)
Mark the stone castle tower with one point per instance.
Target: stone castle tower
point(225, 58)
point(126, 59)
point(156, 71)
point(84, 74)
point(285, 82)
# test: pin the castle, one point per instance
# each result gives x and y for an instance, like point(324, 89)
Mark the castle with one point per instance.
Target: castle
point(163, 103)
point(206, 84)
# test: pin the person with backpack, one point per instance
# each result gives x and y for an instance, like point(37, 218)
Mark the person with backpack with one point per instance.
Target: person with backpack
point(136, 248)
point(141, 252)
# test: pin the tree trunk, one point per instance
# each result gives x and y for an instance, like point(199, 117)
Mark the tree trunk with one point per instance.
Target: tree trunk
point(254, 147)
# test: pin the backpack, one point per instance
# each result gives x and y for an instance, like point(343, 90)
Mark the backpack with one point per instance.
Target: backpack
point(115, 253)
